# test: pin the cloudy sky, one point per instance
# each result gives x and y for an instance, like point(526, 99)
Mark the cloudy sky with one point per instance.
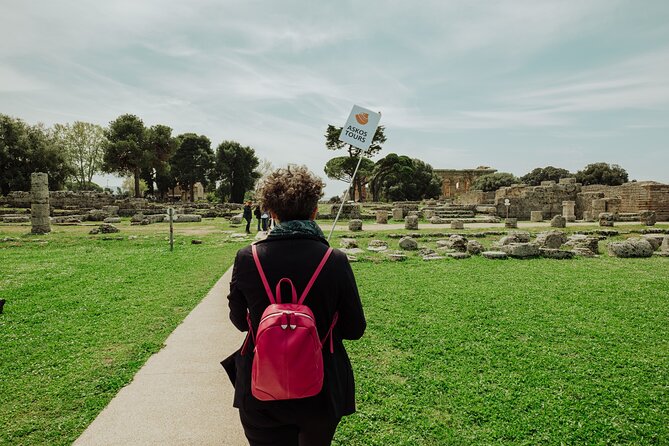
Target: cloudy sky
point(508, 84)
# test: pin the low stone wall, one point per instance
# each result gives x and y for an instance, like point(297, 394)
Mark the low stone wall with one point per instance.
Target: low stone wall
point(628, 198)
point(546, 198)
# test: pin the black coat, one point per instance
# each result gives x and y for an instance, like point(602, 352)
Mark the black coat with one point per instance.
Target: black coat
point(297, 257)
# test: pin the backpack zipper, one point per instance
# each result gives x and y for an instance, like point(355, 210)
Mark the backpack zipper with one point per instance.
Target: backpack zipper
point(285, 312)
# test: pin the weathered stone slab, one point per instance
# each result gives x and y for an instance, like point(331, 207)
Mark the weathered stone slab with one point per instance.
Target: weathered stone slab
point(606, 219)
point(494, 255)
point(382, 217)
point(97, 215)
point(584, 242)
point(435, 220)
point(654, 239)
point(632, 247)
point(521, 250)
point(411, 222)
point(511, 223)
point(112, 220)
point(647, 218)
point(188, 218)
point(474, 247)
point(377, 245)
point(355, 225)
point(408, 244)
point(237, 219)
point(457, 224)
point(348, 243)
point(395, 257)
point(459, 255)
point(559, 254)
point(398, 214)
point(536, 216)
point(428, 214)
point(558, 222)
point(351, 251)
point(551, 239)
point(17, 219)
point(515, 237)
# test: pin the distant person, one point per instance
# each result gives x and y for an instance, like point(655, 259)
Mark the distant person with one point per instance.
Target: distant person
point(257, 214)
point(264, 218)
point(247, 216)
point(295, 249)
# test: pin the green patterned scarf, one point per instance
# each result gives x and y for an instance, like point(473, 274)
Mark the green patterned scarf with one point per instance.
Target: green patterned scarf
point(296, 227)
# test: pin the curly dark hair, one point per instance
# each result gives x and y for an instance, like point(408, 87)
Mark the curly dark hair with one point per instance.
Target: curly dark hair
point(291, 193)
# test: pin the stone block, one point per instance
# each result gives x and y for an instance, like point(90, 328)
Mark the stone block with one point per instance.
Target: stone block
point(665, 244)
point(411, 222)
point(381, 217)
point(408, 244)
point(632, 247)
point(237, 219)
point(515, 237)
point(567, 181)
point(655, 240)
point(457, 224)
point(428, 214)
point(188, 218)
point(377, 245)
point(551, 239)
point(558, 254)
point(112, 220)
point(606, 219)
point(355, 225)
point(435, 220)
point(398, 214)
point(459, 255)
point(521, 250)
point(536, 216)
point(647, 218)
point(559, 222)
point(347, 243)
point(474, 247)
point(494, 255)
point(511, 223)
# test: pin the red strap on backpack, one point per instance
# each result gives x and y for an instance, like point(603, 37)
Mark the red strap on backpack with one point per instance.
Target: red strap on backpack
point(303, 296)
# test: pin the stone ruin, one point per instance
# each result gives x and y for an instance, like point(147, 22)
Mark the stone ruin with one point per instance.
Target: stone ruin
point(68, 207)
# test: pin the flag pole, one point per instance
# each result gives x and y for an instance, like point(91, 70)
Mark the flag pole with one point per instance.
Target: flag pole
point(346, 193)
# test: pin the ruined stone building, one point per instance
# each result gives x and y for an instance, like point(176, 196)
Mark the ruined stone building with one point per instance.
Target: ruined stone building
point(457, 182)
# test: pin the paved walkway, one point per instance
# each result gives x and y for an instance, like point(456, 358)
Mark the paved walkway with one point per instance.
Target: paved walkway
point(182, 395)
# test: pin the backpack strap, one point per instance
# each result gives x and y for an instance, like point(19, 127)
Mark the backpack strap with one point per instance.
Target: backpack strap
point(268, 290)
point(315, 276)
point(329, 333)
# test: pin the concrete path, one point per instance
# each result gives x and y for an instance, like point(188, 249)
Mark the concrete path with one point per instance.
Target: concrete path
point(182, 395)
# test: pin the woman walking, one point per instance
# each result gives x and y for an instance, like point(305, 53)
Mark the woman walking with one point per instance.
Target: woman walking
point(294, 249)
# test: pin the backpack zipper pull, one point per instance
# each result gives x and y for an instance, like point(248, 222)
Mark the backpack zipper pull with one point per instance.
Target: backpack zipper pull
point(292, 326)
point(284, 321)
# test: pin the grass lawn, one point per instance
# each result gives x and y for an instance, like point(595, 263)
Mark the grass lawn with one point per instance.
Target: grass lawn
point(468, 351)
point(512, 352)
point(83, 315)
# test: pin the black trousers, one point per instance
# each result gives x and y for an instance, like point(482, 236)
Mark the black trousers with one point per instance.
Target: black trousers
point(248, 225)
point(266, 428)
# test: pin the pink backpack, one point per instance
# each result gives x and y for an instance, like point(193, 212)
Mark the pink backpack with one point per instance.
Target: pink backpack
point(288, 361)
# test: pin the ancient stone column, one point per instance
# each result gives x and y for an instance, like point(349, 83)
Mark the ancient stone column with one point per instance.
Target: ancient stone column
point(398, 214)
point(568, 210)
point(665, 244)
point(457, 224)
point(536, 216)
point(411, 222)
point(382, 217)
point(511, 223)
point(39, 209)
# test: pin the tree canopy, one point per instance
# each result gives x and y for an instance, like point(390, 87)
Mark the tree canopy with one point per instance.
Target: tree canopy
point(192, 162)
point(125, 151)
point(548, 173)
point(493, 181)
point(235, 168)
point(398, 177)
point(84, 143)
point(25, 149)
point(602, 173)
point(160, 147)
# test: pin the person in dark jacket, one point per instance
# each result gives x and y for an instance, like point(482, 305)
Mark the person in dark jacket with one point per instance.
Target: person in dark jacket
point(257, 214)
point(247, 216)
point(293, 249)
